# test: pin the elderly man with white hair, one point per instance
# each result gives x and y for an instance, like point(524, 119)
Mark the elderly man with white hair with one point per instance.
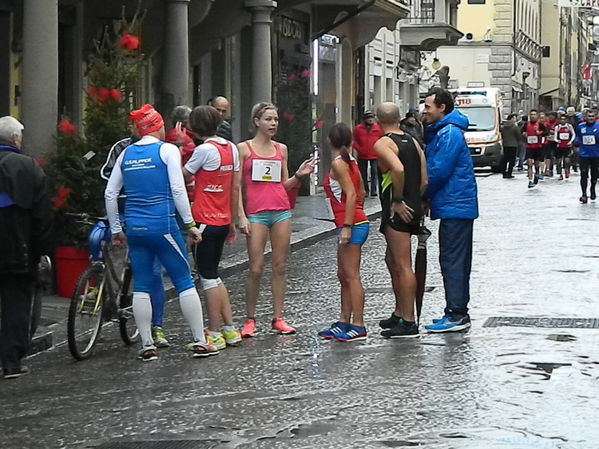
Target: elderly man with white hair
point(25, 221)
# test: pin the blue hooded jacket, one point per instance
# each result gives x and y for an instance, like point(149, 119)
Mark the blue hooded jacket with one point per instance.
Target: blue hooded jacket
point(451, 183)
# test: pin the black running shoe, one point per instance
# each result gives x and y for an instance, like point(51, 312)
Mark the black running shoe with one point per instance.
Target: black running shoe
point(536, 179)
point(401, 330)
point(389, 322)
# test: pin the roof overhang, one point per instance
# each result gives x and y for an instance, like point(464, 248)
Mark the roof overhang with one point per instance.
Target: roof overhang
point(358, 21)
point(428, 36)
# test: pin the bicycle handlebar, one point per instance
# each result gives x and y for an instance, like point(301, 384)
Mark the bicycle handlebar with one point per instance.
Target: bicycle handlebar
point(87, 218)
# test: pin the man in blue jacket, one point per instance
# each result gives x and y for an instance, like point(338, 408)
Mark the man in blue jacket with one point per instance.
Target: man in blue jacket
point(452, 194)
point(587, 138)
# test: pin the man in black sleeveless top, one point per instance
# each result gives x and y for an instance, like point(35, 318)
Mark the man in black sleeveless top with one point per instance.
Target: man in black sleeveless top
point(403, 180)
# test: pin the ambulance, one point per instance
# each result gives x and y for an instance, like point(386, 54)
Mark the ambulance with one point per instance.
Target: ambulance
point(483, 107)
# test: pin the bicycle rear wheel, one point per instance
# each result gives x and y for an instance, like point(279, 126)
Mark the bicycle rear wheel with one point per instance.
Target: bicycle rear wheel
point(127, 327)
point(86, 313)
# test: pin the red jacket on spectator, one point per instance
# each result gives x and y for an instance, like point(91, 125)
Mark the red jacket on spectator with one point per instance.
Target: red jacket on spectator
point(186, 146)
point(364, 140)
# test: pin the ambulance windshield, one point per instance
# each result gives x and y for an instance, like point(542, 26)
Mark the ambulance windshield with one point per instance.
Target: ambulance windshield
point(480, 118)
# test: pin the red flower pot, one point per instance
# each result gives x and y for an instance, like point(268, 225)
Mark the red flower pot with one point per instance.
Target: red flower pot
point(70, 262)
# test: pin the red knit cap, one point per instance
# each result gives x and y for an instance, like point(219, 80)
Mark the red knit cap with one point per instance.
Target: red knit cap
point(146, 120)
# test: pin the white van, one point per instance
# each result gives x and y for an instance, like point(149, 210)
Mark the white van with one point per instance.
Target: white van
point(483, 108)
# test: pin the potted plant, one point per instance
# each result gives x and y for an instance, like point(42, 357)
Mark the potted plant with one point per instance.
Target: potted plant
point(73, 170)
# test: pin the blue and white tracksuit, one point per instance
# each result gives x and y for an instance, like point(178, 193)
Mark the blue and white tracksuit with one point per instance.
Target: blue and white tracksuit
point(150, 173)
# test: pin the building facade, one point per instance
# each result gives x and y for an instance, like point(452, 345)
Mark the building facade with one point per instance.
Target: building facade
point(564, 34)
point(501, 48)
point(247, 50)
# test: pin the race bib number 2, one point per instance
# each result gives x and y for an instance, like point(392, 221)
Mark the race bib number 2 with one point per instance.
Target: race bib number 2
point(266, 171)
point(588, 140)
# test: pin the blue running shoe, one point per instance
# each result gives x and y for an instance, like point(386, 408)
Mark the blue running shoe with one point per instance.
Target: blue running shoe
point(336, 328)
point(447, 325)
point(354, 333)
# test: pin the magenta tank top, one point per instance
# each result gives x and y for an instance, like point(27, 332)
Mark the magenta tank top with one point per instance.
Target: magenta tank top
point(263, 188)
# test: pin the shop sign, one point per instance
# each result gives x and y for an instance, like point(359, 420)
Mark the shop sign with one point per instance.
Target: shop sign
point(292, 29)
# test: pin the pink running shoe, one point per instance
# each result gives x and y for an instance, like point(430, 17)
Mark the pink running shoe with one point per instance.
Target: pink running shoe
point(249, 329)
point(281, 327)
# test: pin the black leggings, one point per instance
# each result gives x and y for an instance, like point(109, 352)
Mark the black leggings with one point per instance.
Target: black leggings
point(208, 252)
point(585, 164)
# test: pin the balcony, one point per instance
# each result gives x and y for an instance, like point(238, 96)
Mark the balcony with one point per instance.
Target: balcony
point(429, 25)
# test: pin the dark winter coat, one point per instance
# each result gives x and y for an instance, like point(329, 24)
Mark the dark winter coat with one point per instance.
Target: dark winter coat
point(511, 134)
point(25, 213)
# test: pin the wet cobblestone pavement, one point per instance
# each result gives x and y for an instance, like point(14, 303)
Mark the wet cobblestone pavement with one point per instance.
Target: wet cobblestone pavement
point(536, 255)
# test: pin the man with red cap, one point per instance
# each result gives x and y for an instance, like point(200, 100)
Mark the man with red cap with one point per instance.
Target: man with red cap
point(150, 173)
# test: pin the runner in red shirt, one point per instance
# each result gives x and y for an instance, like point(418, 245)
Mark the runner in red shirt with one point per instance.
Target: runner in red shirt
point(345, 193)
point(215, 166)
point(533, 133)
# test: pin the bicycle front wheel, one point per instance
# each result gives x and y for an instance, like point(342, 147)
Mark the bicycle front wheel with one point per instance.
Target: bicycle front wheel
point(127, 327)
point(85, 313)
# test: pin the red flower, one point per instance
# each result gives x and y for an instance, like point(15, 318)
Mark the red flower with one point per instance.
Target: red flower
point(60, 200)
point(292, 77)
point(92, 92)
point(41, 161)
point(287, 116)
point(129, 42)
point(116, 95)
point(103, 94)
point(318, 124)
point(305, 73)
point(66, 127)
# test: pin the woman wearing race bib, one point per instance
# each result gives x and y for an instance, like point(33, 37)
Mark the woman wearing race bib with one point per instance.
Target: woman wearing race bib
point(266, 212)
point(345, 191)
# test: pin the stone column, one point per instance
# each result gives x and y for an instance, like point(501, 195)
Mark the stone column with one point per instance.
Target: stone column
point(262, 51)
point(39, 107)
point(175, 63)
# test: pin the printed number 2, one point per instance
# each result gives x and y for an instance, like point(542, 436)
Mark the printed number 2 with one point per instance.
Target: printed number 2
point(267, 171)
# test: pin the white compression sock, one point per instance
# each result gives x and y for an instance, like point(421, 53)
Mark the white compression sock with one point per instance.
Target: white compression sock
point(142, 311)
point(189, 300)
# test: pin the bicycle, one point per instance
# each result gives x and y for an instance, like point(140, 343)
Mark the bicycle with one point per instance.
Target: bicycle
point(102, 294)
